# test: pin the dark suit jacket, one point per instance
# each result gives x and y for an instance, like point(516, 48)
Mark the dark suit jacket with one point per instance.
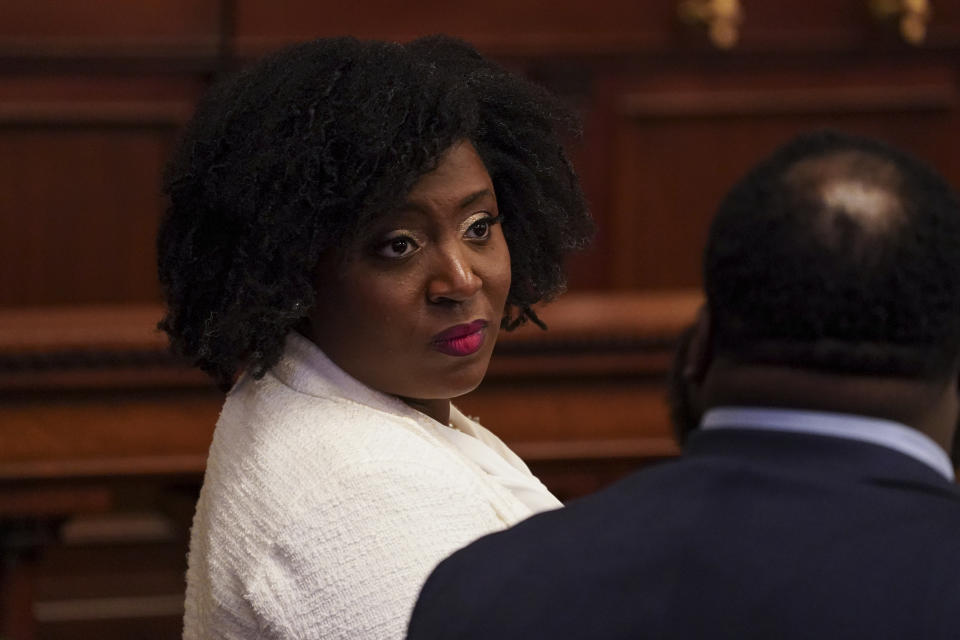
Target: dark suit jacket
point(751, 534)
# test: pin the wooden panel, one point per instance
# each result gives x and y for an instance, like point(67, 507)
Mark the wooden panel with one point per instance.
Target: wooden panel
point(569, 27)
point(684, 137)
point(48, 28)
point(103, 434)
point(589, 334)
point(91, 98)
point(167, 435)
point(16, 597)
point(589, 388)
point(836, 24)
point(80, 164)
point(34, 502)
point(62, 28)
point(107, 591)
point(53, 89)
point(89, 203)
point(502, 26)
point(109, 329)
point(576, 419)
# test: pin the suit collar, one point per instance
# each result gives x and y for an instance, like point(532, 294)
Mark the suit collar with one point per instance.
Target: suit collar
point(886, 433)
point(809, 454)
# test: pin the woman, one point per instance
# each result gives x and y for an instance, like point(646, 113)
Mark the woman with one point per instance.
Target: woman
point(350, 224)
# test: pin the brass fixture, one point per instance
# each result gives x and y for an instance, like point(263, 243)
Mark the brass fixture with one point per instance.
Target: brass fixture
point(721, 18)
point(912, 17)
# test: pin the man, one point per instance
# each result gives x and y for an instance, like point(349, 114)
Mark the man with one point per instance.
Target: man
point(816, 498)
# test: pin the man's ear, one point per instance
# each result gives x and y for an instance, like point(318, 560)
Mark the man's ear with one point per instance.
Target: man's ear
point(699, 355)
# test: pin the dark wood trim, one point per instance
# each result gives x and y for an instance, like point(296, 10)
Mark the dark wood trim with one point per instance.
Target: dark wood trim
point(48, 48)
point(101, 371)
point(806, 100)
point(589, 335)
point(870, 37)
point(35, 501)
point(105, 467)
point(17, 577)
point(529, 45)
point(608, 449)
point(147, 114)
point(89, 328)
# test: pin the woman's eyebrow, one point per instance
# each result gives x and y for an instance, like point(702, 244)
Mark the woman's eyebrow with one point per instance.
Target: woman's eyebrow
point(466, 201)
point(473, 197)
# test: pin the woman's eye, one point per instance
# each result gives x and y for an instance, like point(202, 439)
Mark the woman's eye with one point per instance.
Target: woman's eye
point(480, 230)
point(399, 247)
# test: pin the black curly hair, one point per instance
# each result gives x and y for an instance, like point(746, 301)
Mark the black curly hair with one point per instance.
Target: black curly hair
point(301, 152)
point(796, 277)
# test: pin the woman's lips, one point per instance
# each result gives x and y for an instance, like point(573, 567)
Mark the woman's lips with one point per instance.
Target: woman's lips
point(461, 340)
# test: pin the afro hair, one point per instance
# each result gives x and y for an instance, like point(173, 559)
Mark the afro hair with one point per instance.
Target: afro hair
point(302, 151)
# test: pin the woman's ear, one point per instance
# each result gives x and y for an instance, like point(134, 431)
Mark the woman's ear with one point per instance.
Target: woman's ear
point(699, 354)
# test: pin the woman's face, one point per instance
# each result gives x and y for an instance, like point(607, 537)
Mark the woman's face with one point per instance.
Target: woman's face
point(413, 308)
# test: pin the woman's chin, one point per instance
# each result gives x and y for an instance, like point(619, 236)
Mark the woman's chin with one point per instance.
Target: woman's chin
point(465, 381)
point(451, 387)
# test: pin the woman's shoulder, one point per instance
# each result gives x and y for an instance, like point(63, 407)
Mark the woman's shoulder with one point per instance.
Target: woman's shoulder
point(296, 485)
point(311, 472)
point(284, 442)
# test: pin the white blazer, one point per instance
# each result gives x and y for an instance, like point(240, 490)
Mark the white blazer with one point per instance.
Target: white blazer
point(326, 504)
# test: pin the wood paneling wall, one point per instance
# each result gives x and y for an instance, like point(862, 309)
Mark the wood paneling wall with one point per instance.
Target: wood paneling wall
point(93, 95)
point(97, 422)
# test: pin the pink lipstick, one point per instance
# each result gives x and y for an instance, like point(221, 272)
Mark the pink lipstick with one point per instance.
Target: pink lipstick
point(461, 340)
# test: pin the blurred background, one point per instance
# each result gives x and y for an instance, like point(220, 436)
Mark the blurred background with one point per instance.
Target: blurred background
point(103, 436)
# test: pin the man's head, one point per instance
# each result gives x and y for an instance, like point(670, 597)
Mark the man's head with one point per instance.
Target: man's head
point(838, 254)
point(832, 273)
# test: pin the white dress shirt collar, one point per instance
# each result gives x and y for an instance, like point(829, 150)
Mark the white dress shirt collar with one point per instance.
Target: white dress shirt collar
point(885, 433)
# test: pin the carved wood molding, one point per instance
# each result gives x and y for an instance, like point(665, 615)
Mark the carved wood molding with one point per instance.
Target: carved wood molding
point(807, 100)
point(162, 114)
point(87, 347)
point(113, 46)
point(524, 46)
point(28, 472)
point(91, 56)
point(104, 328)
point(590, 334)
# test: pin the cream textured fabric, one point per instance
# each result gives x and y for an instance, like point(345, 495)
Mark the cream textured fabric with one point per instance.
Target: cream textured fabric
point(326, 504)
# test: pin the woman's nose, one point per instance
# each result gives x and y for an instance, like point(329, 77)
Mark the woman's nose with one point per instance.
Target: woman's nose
point(453, 278)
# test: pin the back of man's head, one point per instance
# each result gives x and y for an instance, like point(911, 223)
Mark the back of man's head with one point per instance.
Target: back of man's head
point(838, 253)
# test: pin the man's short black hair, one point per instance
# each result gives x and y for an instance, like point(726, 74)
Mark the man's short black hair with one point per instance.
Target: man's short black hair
point(838, 253)
point(302, 151)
